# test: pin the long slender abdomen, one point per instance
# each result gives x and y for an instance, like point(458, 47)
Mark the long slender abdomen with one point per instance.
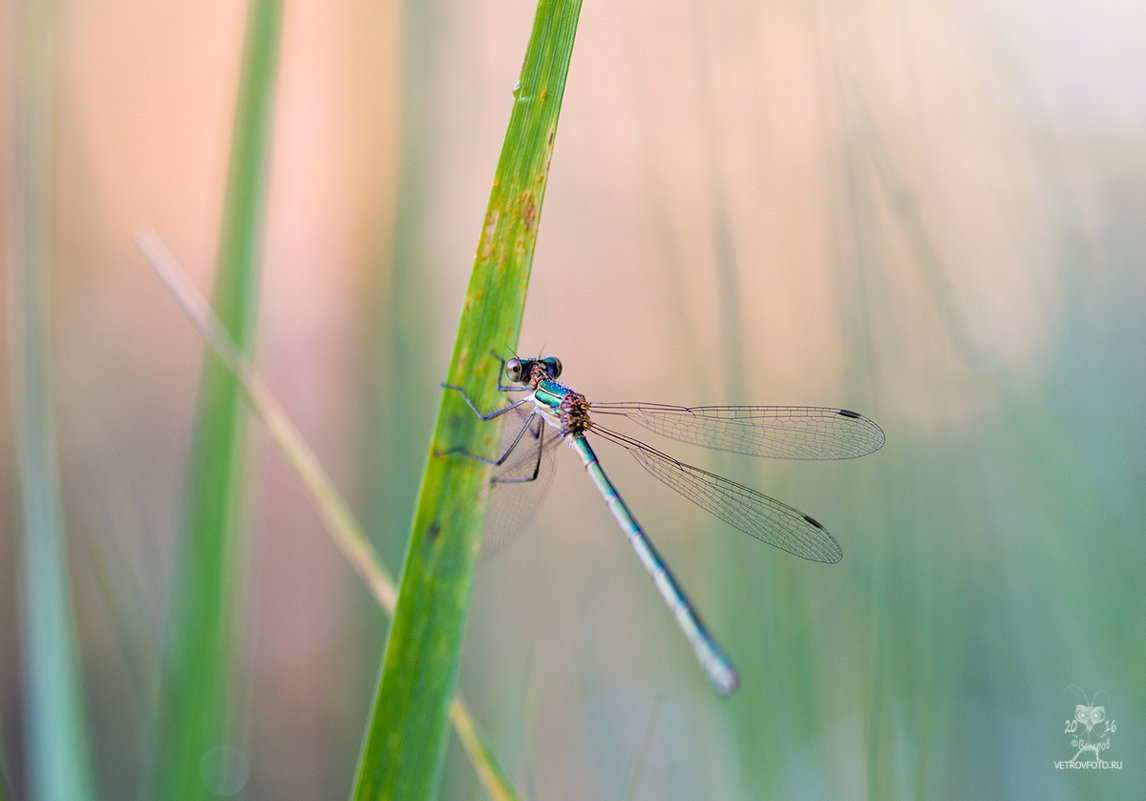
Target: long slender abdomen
point(714, 662)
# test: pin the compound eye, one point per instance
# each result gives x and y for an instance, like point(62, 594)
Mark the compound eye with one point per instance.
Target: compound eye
point(552, 366)
point(513, 369)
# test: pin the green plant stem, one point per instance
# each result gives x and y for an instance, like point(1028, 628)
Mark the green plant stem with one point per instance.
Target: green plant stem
point(202, 636)
point(335, 514)
point(401, 757)
point(56, 724)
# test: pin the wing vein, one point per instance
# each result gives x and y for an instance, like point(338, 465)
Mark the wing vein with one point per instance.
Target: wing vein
point(743, 508)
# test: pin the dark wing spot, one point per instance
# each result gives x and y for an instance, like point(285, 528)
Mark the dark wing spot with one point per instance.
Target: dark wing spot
point(848, 413)
point(814, 522)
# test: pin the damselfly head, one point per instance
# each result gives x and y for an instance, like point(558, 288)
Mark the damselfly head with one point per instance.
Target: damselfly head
point(522, 371)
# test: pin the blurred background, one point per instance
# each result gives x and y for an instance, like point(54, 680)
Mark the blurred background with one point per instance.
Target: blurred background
point(933, 213)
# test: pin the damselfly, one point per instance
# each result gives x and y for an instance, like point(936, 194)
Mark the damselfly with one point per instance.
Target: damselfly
point(786, 432)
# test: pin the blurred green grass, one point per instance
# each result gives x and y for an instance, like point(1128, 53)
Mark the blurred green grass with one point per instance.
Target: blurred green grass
point(55, 719)
point(194, 755)
point(947, 238)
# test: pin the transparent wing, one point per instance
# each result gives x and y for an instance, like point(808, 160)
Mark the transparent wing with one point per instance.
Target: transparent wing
point(743, 508)
point(782, 432)
point(519, 484)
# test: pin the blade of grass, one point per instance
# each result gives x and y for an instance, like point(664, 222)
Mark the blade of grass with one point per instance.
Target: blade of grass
point(335, 514)
point(402, 753)
point(400, 335)
point(201, 648)
point(56, 727)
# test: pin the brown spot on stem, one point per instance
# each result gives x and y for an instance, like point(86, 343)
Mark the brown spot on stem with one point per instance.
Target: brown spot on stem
point(528, 210)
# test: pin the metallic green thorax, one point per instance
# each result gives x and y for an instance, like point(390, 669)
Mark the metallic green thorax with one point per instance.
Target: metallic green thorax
point(564, 409)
